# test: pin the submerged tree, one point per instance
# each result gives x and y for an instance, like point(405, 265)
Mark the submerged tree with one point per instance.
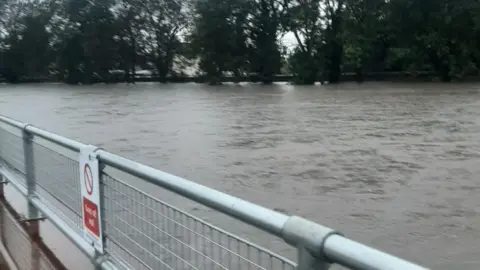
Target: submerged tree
point(25, 41)
point(219, 37)
point(264, 28)
point(304, 18)
point(367, 37)
point(84, 41)
point(163, 21)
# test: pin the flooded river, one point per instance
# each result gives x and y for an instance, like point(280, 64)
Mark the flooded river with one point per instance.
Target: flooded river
point(395, 166)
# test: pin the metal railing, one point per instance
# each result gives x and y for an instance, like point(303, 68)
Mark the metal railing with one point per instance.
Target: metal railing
point(18, 247)
point(142, 232)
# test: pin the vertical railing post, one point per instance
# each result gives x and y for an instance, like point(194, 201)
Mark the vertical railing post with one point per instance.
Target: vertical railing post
point(29, 172)
point(3, 183)
point(33, 215)
point(2, 210)
point(101, 190)
point(306, 261)
point(309, 238)
point(2, 225)
point(2, 189)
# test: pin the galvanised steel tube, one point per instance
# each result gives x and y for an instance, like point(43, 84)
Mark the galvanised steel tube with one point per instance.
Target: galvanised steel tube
point(357, 256)
point(57, 222)
point(263, 218)
point(336, 248)
point(12, 122)
point(57, 139)
point(49, 136)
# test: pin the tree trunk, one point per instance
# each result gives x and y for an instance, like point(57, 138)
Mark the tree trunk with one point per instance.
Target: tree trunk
point(335, 70)
point(336, 45)
point(439, 65)
point(359, 74)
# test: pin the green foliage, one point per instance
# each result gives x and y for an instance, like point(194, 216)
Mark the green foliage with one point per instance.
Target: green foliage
point(163, 20)
point(24, 49)
point(305, 20)
point(83, 41)
point(219, 37)
point(265, 57)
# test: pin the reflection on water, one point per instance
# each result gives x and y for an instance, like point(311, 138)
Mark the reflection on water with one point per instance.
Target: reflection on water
point(391, 165)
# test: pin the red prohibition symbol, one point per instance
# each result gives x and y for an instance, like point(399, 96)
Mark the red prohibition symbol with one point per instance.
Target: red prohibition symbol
point(88, 178)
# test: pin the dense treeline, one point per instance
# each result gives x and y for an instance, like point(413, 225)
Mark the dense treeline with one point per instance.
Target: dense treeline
point(86, 41)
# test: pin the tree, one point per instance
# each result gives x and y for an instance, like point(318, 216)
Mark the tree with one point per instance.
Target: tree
point(85, 41)
point(219, 37)
point(441, 32)
point(304, 19)
point(24, 46)
point(164, 20)
point(87, 49)
point(334, 43)
point(265, 56)
point(366, 36)
point(129, 31)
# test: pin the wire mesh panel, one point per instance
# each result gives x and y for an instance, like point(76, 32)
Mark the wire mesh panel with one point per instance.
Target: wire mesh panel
point(145, 233)
point(11, 151)
point(140, 231)
point(57, 178)
point(55, 173)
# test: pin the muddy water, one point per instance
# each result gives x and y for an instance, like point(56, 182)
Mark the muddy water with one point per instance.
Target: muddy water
point(392, 165)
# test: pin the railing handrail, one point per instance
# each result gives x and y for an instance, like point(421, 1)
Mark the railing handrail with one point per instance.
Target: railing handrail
point(258, 216)
point(57, 221)
point(320, 242)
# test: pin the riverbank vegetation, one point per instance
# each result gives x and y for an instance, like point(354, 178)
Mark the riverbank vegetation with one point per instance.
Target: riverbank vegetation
point(83, 41)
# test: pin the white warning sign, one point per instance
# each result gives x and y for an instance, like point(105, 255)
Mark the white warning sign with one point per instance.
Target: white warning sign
point(90, 186)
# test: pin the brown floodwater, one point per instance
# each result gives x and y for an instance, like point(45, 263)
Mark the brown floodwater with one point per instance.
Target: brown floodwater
point(394, 166)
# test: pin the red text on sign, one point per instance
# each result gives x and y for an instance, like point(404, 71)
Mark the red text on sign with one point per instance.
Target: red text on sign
point(90, 217)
